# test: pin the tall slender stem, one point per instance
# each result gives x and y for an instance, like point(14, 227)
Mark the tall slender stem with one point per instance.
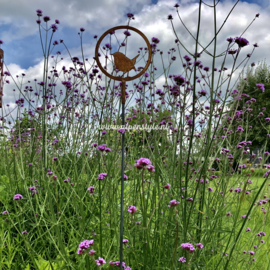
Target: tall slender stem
point(122, 174)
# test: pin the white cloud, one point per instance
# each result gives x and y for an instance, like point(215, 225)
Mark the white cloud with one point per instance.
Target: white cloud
point(92, 15)
point(98, 16)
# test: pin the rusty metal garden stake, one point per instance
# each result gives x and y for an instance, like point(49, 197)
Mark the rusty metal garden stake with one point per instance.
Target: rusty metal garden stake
point(123, 64)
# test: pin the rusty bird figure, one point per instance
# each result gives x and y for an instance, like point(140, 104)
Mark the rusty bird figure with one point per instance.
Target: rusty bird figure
point(123, 63)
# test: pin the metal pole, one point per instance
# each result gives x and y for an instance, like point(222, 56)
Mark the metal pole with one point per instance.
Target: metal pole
point(122, 173)
point(123, 64)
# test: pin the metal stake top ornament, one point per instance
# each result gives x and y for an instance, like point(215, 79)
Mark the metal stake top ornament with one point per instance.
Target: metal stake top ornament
point(122, 62)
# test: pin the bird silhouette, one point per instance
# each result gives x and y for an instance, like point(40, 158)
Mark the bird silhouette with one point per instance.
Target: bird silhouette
point(123, 63)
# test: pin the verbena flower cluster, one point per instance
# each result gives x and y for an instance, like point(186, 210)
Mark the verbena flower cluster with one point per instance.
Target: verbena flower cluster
point(190, 189)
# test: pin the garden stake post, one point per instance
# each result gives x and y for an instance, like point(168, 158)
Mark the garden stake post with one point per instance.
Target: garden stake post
point(124, 64)
point(1, 77)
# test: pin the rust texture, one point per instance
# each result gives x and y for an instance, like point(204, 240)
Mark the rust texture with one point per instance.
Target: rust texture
point(122, 62)
point(1, 75)
point(123, 92)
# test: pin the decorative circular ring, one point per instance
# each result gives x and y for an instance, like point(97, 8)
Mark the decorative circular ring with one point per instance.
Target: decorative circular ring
point(126, 78)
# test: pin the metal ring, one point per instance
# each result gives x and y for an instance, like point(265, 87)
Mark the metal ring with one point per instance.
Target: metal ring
point(126, 78)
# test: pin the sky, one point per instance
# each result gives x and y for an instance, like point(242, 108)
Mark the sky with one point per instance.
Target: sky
point(23, 52)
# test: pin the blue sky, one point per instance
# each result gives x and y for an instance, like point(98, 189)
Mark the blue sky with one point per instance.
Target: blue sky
point(19, 31)
point(26, 51)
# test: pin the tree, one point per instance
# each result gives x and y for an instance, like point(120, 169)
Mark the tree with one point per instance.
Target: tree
point(260, 108)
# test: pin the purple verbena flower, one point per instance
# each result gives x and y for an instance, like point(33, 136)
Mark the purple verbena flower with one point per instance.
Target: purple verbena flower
point(121, 130)
point(54, 28)
point(188, 246)
point(130, 15)
point(101, 147)
point(260, 86)
point(91, 190)
point(167, 186)
point(132, 209)
point(92, 252)
point(242, 42)
point(46, 18)
point(173, 203)
point(39, 12)
point(102, 176)
point(127, 33)
point(17, 197)
point(150, 168)
point(84, 245)
point(199, 245)
point(142, 162)
point(182, 259)
point(100, 261)
point(155, 40)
